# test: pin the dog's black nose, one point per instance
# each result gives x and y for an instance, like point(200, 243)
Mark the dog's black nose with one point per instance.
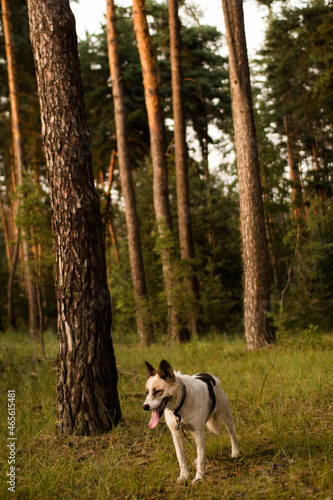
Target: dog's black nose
point(146, 407)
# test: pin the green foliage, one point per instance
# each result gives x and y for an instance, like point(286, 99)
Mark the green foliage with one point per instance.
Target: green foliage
point(293, 69)
point(217, 262)
point(295, 64)
point(34, 222)
point(308, 295)
point(34, 210)
point(311, 336)
point(122, 297)
point(218, 257)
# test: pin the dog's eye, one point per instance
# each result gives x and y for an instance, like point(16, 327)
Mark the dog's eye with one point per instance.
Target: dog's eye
point(146, 392)
point(156, 393)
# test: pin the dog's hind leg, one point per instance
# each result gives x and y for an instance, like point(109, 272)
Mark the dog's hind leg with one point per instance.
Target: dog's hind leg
point(179, 443)
point(226, 417)
point(223, 411)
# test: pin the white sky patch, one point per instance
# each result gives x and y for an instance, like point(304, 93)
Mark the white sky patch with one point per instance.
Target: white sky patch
point(91, 15)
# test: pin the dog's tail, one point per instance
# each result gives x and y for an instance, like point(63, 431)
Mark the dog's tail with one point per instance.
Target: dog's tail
point(213, 424)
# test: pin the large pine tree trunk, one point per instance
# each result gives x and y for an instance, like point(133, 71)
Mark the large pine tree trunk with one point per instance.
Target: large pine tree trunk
point(258, 328)
point(87, 397)
point(183, 194)
point(160, 172)
point(143, 319)
point(20, 166)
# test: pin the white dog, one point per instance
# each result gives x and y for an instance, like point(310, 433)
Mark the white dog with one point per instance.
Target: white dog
point(191, 402)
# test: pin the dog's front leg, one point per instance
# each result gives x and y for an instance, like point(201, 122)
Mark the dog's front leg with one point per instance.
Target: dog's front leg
point(179, 443)
point(200, 441)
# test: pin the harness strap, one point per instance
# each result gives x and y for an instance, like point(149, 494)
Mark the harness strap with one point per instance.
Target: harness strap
point(210, 381)
point(177, 410)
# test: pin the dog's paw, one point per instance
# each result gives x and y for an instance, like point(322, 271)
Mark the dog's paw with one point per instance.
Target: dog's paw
point(198, 479)
point(183, 480)
point(234, 453)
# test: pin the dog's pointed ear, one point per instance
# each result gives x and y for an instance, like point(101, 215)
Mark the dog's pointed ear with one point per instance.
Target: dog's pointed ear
point(165, 371)
point(150, 370)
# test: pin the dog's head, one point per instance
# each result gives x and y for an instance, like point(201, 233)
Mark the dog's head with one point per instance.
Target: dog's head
point(159, 390)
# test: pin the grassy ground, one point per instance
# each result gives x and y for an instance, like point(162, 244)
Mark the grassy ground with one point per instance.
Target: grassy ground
point(281, 398)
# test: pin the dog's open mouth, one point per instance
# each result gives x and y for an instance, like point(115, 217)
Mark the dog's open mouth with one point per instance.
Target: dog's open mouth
point(156, 414)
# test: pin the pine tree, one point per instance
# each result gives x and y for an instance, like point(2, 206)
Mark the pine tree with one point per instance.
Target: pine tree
point(160, 187)
point(258, 328)
point(183, 195)
point(87, 398)
point(144, 324)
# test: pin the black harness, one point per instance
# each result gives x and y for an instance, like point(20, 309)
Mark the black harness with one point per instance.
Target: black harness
point(210, 381)
point(177, 410)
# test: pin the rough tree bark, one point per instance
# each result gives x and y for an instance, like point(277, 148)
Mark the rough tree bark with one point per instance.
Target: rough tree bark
point(20, 167)
point(160, 172)
point(258, 328)
point(87, 397)
point(143, 320)
point(182, 184)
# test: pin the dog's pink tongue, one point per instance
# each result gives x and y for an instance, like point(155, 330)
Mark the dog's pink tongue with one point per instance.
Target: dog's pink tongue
point(155, 416)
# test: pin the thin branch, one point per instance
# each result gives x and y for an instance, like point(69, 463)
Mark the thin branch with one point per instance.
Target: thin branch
point(170, 146)
point(289, 272)
point(32, 150)
point(265, 377)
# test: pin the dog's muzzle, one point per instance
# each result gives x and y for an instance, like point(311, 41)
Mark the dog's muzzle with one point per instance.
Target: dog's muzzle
point(161, 408)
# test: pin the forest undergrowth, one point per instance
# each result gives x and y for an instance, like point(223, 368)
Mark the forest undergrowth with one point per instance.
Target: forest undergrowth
point(281, 398)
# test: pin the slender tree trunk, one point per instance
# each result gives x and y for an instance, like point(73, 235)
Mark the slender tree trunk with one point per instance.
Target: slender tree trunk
point(143, 319)
point(1, 324)
point(20, 166)
point(17, 149)
point(108, 191)
point(258, 328)
point(296, 185)
point(5, 229)
point(13, 93)
point(113, 237)
point(30, 281)
point(318, 176)
point(12, 251)
point(10, 291)
point(87, 397)
point(183, 194)
point(271, 243)
point(156, 129)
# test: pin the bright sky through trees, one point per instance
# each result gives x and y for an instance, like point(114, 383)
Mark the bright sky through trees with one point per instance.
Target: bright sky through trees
point(89, 16)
